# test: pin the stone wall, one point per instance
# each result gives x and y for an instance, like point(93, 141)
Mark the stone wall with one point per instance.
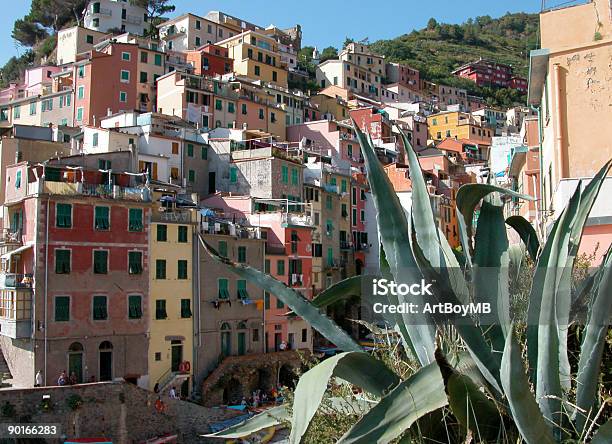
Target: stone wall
point(121, 412)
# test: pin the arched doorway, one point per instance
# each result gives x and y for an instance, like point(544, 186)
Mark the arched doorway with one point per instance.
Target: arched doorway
point(232, 392)
point(75, 360)
point(242, 338)
point(106, 361)
point(226, 339)
point(176, 354)
point(287, 376)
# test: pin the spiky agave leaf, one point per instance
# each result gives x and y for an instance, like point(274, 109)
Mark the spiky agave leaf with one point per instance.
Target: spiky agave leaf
point(421, 393)
point(270, 418)
point(359, 369)
point(527, 233)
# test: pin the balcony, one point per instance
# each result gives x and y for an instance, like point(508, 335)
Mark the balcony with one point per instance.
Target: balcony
point(297, 219)
point(296, 280)
point(344, 245)
point(16, 313)
point(173, 216)
point(9, 240)
point(12, 280)
point(140, 194)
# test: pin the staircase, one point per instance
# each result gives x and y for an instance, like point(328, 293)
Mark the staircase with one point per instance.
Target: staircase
point(5, 371)
point(172, 379)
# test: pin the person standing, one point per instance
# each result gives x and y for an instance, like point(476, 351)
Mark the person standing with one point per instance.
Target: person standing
point(173, 393)
point(63, 379)
point(38, 379)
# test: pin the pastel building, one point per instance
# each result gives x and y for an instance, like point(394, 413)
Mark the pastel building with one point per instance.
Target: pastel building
point(210, 60)
point(108, 15)
point(75, 40)
point(190, 31)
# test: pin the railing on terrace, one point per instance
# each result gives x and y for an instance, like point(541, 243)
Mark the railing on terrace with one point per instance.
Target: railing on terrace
point(212, 226)
point(297, 219)
point(105, 191)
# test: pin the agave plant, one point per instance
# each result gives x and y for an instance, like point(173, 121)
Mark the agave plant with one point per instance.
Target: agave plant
point(490, 389)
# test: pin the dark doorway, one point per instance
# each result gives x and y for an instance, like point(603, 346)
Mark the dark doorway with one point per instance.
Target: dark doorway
point(212, 182)
point(287, 377)
point(106, 361)
point(75, 360)
point(176, 355)
point(232, 392)
point(278, 338)
point(358, 267)
point(185, 388)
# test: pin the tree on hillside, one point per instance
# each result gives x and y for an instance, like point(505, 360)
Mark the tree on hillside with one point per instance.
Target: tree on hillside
point(432, 24)
point(12, 71)
point(156, 9)
point(347, 41)
point(328, 53)
point(28, 33)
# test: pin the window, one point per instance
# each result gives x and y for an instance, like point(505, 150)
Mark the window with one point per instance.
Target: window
point(125, 76)
point(231, 107)
point(280, 267)
point(33, 108)
point(18, 180)
point(279, 303)
point(294, 176)
point(125, 56)
point(267, 300)
point(222, 248)
point(328, 202)
point(89, 39)
point(218, 105)
point(285, 173)
point(62, 308)
point(100, 261)
point(81, 72)
point(222, 289)
point(94, 140)
point(182, 269)
point(158, 356)
point(134, 306)
point(198, 41)
point(244, 109)
point(191, 176)
point(80, 92)
point(274, 76)
point(198, 24)
point(204, 153)
point(362, 216)
point(144, 57)
point(144, 77)
point(63, 215)
point(185, 308)
point(304, 335)
point(160, 269)
point(182, 234)
point(344, 211)
point(257, 71)
point(134, 262)
point(158, 60)
point(242, 254)
point(96, 23)
point(160, 309)
point(100, 313)
point(17, 112)
point(267, 266)
point(62, 261)
point(122, 96)
point(354, 216)
point(135, 219)
point(233, 174)
point(190, 149)
point(241, 289)
point(162, 233)
point(79, 114)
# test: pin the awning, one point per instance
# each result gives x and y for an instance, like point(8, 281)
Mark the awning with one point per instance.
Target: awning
point(8, 255)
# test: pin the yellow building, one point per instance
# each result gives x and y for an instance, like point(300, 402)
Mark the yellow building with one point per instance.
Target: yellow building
point(334, 105)
point(458, 125)
point(171, 295)
point(257, 57)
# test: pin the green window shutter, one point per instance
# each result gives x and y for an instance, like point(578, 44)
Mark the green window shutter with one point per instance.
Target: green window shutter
point(233, 174)
point(182, 269)
point(18, 179)
point(160, 269)
point(231, 107)
point(279, 303)
point(242, 254)
point(218, 105)
point(160, 309)
point(185, 308)
point(241, 287)
point(223, 292)
point(330, 256)
point(144, 77)
point(62, 261)
point(102, 221)
point(328, 202)
point(222, 248)
point(135, 262)
point(280, 267)
point(134, 307)
point(100, 312)
point(62, 308)
point(158, 59)
point(182, 234)
point(285, 174)
point(63, 218)
point(267, 266)
point(204, 153)
point(343, 186)
point(162, 233)
point(100, 261)
point(267, 300)
point(190, 149)
point(191, 177)
point(135, 219)
point(294, 176)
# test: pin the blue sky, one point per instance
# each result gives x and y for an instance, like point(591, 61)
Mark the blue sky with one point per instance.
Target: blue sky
point(324, 23)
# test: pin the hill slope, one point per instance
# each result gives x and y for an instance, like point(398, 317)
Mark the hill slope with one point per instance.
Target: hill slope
point(440, 48)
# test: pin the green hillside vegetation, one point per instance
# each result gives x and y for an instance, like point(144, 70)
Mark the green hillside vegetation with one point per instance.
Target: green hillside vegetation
point(440, 48)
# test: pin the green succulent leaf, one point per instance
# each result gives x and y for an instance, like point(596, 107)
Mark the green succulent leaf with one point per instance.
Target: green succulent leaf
point(525, 412)
point(603, 434)
point(394, 233)
point(527, 233)
point(294, 300)
point(591, 350)
point(359, 369)
point(340, 291)
point(263, 420)
point(420, 394)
